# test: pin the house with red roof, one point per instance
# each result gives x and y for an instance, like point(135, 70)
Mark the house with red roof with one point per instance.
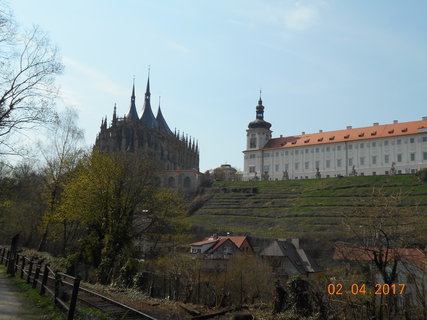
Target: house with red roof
point(217, 250)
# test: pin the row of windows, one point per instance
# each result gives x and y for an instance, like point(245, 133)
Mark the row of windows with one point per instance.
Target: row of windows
point(338, 148)
point(339, 163)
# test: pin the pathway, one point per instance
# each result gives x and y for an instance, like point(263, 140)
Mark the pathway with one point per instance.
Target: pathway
point(12, 304)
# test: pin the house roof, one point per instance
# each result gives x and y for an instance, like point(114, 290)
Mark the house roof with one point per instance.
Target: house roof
point(220, 240)
point(202, 243)
point(413, 255)
point(356, 134)
point(297, 256)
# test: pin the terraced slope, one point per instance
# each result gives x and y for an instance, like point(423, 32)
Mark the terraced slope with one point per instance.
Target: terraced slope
point(285, 208)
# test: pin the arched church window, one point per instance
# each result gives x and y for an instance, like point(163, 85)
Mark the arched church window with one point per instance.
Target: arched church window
point(171, 182)
point(187, 182)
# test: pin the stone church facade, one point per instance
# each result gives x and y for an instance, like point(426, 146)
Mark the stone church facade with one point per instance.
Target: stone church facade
point(396, 148)
point(151, 139)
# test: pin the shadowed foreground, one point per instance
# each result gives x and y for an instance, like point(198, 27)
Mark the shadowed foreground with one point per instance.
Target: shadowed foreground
point(12, 305)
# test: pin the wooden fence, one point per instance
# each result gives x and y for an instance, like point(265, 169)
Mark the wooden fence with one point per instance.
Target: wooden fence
point(41, 275)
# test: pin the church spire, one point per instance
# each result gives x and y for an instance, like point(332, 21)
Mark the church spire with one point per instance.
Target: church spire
point(161, 121)
point(114, 115)
point(147, 117)
point(132, 113)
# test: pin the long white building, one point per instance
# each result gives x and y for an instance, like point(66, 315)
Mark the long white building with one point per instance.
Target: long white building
point(376, 150)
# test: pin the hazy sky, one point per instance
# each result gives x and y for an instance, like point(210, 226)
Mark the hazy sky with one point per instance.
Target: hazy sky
point(320, 64)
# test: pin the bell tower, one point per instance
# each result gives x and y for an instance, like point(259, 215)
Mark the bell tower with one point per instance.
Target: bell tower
point(258, 132)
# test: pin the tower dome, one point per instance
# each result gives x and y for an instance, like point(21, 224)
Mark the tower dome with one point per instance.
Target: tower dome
point(259, 122)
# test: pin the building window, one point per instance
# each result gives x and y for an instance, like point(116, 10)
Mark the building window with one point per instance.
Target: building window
point(412, 156)
point(386, 172)
point(398, 141)
point(339, 162)
point(277, 153)
point(362, 161)
point(412, 140)
point(317, 150)
point(386, 158)
point(296, 165)
point(374, 144)
point(424, 155)
point(317, 164)
point(306, 150)
point(277, 167)
point(424, 139)
point(374, 159)
point(286, 153)
point(374, 173)
point(386, 143)
point(267, 155)
point(286, 166)
point(399, 157)
point(306, 165)
point(362, 145)
point(350, 162)
point(187, 182)
point(328, 163)
point(338, 148)
point(296, 151)
point(327, 149)
point(252, 156)
point(350, 147)
point(252, 141)
point(252, 169)
point(267, 169)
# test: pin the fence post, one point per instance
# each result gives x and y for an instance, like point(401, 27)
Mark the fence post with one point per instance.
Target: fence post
point(73, 298)
point(30, 270)
point(16, 262)
point(12, 255)
point(44, 279)
point(56, 288)
point(22, 267)
point(2, 255)
point(36, 276)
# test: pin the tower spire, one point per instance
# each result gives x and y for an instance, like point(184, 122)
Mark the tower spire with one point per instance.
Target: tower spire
point(115, 114)
point(147, 116)
point(132, 113)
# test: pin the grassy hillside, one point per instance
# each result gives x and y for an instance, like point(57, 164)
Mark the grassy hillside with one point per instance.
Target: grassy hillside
point(300, 207)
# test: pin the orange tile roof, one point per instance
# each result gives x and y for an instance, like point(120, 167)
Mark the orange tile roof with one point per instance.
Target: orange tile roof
point(373, 132)
point(201, 243)
point(238, 241)
point(415, 256)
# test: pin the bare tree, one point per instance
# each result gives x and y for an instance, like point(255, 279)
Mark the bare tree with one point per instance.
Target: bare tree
point(28, 66)
point(61, 154)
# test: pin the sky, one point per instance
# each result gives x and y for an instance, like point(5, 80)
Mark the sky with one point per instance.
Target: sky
point(321, 64)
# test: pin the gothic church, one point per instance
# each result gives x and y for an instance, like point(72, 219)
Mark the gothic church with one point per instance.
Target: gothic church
point(149, 137)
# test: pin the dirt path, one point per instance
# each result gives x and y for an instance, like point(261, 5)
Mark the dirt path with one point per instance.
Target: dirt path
point(12, 304)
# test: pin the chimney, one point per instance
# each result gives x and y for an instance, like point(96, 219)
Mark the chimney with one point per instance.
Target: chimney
point(349, 127)
point(376, 124)
point(320, 131)
point(303, 132)
point(395, 121)
point(424, 118)
point(281, 136)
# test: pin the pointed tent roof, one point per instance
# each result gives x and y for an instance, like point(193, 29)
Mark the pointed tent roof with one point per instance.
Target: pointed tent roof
point(147, 117)
point(161, 121)
point(132, 113)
